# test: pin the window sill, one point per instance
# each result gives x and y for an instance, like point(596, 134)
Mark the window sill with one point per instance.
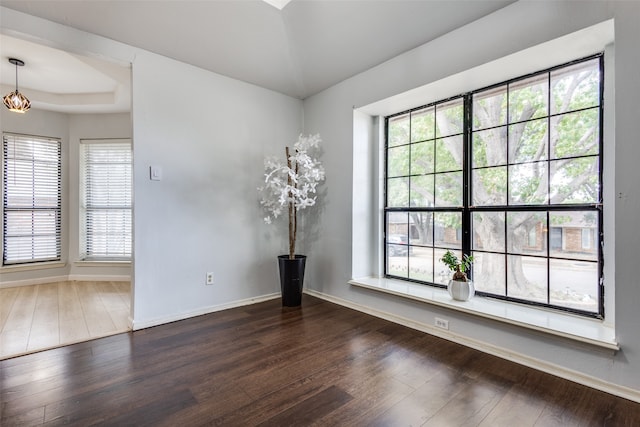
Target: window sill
point(565, 325)
point(105, 263)
point(32, 266)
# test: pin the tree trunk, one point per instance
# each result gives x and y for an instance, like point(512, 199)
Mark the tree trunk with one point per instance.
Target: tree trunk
point(493, 273)
point(293, 217)
point(422, 223)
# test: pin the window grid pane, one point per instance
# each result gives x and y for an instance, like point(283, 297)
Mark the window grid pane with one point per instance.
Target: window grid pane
point(423, 174)
point(531, 152)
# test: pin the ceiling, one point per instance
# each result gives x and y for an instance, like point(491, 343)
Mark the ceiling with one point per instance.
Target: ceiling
point(61, 81)
point(300, 50)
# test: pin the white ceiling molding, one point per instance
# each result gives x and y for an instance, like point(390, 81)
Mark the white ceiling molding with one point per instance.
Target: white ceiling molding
point(60, 81)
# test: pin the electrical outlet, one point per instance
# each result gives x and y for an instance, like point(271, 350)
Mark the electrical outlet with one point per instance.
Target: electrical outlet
point(442, 323)
point(210, 278)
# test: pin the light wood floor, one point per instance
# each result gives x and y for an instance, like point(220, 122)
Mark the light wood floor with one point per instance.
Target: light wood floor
point(38, 317)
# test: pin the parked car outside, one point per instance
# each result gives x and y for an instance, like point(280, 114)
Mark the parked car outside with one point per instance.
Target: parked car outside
point(398, 245)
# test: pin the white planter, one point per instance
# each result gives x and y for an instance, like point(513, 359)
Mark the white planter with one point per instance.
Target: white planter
point(461, 291)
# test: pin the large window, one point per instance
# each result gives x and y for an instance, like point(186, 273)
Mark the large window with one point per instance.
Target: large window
point(510, 174)
point(105, 207)
point(31, 199)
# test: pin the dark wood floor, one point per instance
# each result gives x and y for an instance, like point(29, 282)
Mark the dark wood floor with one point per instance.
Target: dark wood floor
point(264, 365)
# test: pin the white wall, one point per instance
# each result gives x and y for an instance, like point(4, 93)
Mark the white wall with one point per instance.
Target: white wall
point(49, 124)
point(498, 35)
point(209, 134)
point(70, 128)
point(90, 126)
point(203, 216)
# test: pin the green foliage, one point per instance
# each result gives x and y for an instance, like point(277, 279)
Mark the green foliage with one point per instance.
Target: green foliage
point(525, 182)
point(575, 218)
point(398, 132)
point(451, 260)
point(448, 189)
point(398, 158)
point(423, 125)
point(565, 173)
point(479, 147)
point(576, 134)
point(422, 190)
point(490, 147)
point(448, 219)
point(532, 141)
point(528, 99)
point(449, 154)
point(557, 219)
point(490, 108)
point(450, 118)
point(398, 192)
point(422, 158)
point(494, 186)
point(426, 145)
point(575, 88)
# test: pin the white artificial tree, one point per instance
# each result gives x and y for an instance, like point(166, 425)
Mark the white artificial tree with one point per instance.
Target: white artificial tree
point(292, 185)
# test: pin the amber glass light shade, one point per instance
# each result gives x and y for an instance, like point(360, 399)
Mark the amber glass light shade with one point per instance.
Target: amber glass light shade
point(15, 101)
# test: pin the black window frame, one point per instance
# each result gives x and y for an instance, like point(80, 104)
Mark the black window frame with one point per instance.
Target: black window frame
point(467, 209)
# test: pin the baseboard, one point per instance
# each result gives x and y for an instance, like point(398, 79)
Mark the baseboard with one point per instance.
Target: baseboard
point(65, 278)
point(522, 359)
point(35, 281)
point(98, 278)
point(137, 325)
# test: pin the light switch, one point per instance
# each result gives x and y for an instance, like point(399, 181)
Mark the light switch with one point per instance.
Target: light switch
point(155, 173)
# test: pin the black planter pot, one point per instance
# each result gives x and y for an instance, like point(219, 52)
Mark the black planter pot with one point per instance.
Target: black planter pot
point(291, 279)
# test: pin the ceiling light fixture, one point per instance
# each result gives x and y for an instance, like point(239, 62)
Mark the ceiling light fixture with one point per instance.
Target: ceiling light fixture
point(15, 101)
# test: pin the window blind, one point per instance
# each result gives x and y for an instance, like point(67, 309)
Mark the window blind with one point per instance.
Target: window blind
point(106, 199)
point(31, 199)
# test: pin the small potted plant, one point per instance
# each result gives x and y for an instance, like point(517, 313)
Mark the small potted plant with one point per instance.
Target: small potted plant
point(290, 186)
point(460, 287)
